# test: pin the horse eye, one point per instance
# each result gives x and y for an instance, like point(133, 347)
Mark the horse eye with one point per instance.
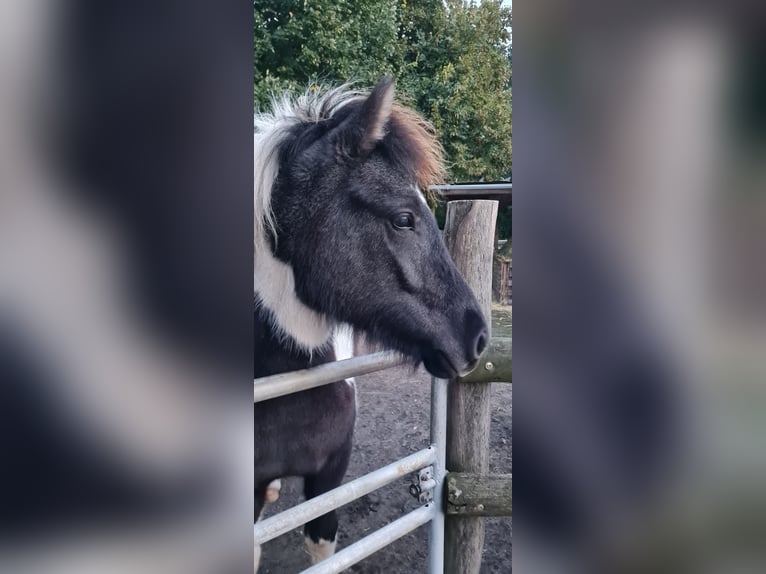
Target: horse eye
point(403, 221)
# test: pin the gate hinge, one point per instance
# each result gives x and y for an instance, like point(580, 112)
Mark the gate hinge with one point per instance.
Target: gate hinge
point(423, 489)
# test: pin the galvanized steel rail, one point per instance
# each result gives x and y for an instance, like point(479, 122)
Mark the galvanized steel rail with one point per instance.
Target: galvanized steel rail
point(285, 521)
point(284, 384)
point(439, 443)
point(274, 386)
point(501, 191)
point(480, 189)
point(374, 542)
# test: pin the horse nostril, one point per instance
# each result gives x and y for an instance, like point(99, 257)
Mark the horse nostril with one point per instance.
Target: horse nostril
point(480, 344)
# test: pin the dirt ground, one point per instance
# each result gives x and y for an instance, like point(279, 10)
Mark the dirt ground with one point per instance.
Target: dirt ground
point(392, 422)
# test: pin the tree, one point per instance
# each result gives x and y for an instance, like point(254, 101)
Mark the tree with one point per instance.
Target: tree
point(451, 60)
point(459, 72)
point(298, 42)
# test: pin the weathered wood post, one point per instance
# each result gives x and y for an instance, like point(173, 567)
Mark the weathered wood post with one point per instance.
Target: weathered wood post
point(469, 233)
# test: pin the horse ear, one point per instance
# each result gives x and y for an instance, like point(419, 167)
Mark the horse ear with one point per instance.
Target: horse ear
point(376, 111)
point(366, 127)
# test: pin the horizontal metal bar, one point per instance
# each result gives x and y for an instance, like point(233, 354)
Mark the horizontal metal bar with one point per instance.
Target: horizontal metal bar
point(374, 542)
point(286, 520)
point(473, 186)
point(497, 192)
point(283, 384)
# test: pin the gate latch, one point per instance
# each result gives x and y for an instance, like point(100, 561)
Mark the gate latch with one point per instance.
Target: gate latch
point(423, 490)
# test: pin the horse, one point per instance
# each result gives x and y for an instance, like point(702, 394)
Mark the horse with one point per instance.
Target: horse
point(344, 238)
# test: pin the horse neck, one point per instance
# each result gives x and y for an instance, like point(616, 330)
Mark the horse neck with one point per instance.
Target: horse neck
point(274, 353)
point(274, 287)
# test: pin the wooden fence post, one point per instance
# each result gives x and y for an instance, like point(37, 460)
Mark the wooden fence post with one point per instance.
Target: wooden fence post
point(469, 233)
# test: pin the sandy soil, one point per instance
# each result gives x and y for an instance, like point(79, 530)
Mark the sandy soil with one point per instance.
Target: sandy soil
point(392, 422)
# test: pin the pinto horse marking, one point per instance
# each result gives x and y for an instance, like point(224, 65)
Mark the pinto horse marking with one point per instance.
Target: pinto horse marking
point(344, 241)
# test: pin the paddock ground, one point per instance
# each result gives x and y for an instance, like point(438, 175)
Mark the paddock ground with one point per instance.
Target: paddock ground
point(392, 422)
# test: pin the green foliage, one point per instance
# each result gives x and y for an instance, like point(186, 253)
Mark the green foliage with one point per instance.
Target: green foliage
point(506, 251)
point(452, 61)
point(298, 42)
point(440, 213)
point(505, 222)
point(455, 64)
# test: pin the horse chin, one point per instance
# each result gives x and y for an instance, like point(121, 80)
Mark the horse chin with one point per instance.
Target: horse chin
point(469, 368)
point(439, 365)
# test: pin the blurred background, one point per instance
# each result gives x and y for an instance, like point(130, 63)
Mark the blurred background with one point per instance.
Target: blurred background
point(639, 294)
point(125, 287)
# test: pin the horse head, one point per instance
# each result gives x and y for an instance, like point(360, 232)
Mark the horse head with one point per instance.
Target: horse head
point(345, 235)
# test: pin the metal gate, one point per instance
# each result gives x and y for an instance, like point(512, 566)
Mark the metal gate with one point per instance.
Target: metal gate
point(429, 462)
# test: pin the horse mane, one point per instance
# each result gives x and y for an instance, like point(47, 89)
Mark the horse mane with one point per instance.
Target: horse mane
point(271, 130)
point(426, 150)
point(316, 104)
